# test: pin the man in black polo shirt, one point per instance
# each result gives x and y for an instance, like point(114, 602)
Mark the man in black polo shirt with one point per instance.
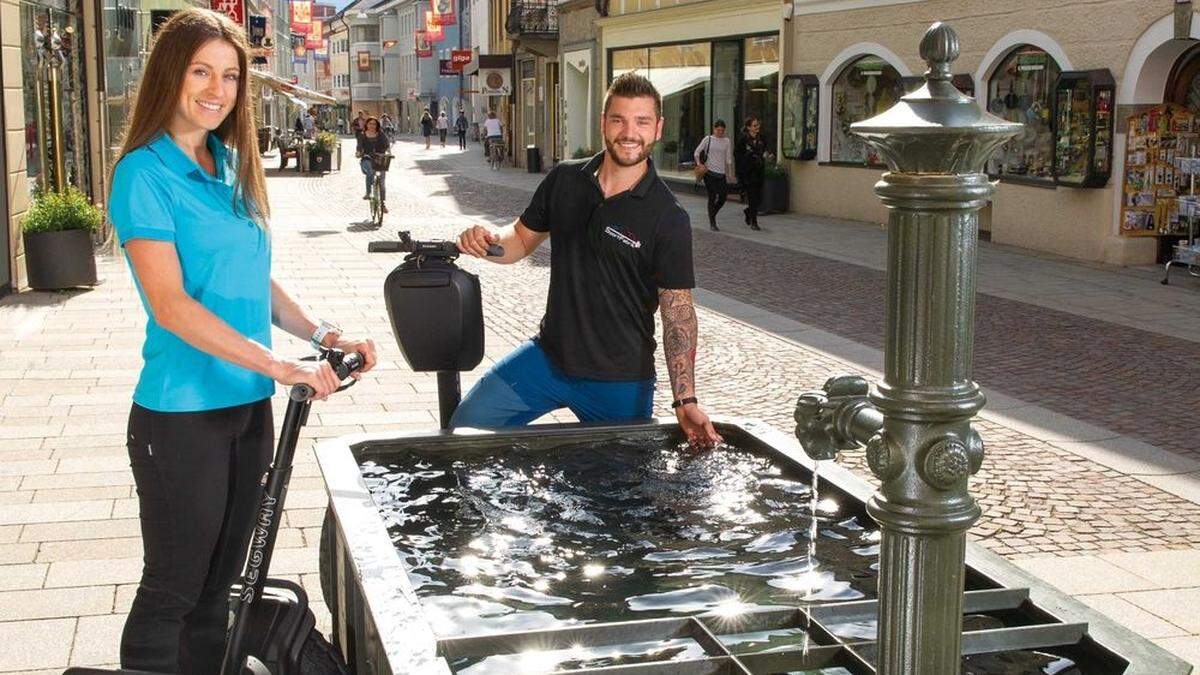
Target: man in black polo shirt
point(622, 248)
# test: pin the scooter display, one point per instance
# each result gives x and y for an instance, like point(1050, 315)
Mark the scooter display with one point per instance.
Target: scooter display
point(273, 630)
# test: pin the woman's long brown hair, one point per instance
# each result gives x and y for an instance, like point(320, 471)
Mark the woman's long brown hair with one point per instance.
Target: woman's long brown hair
point(176, 42)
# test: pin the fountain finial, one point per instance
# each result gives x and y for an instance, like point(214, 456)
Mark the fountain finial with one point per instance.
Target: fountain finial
point(939, 48)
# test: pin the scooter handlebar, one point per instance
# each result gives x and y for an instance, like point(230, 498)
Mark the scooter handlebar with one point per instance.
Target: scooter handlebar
point(343, 366)
point(443, 249)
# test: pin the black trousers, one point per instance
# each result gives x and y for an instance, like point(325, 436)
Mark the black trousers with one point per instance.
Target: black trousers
point(198, 478)
point(753, 184)
point(717, 188)
point(462, 139)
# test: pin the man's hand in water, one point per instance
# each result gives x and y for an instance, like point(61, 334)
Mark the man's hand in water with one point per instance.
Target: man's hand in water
point(696, 425)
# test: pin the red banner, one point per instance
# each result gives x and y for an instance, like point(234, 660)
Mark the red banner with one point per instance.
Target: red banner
point(433, 32)
point(301, 16)
point(234, 9)
point(443, 12)
point(421, 38)
point(314, 38)
point(364, 61)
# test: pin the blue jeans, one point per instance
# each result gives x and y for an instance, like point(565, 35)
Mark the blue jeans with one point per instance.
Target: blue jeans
point(370, 174)
point(525, 385)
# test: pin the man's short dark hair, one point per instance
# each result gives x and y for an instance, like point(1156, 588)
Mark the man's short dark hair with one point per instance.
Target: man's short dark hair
point(632, 85)
point(719, 123)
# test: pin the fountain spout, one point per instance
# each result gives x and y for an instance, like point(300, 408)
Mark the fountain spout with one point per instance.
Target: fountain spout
point(839, 416)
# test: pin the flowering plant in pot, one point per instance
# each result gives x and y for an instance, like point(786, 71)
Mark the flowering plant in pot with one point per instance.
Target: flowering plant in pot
point(775, 187)
point(57, 232)
point(321, 151)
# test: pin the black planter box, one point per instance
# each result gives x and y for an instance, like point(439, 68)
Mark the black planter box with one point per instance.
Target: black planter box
point(775, 195)
point(58, 260)
point(319, 162)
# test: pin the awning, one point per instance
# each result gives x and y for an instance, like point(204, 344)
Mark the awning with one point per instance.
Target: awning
point(487, 62)
point(288, 89)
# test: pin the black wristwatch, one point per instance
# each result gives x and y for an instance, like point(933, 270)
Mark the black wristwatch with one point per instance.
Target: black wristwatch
point(683, 401)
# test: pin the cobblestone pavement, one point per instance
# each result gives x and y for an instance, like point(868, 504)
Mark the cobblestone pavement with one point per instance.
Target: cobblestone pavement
point(69, 545)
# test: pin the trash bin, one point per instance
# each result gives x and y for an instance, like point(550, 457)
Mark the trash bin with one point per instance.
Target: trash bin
point(533, 159)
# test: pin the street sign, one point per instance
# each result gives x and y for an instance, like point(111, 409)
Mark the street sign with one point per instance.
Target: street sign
point(459, 58)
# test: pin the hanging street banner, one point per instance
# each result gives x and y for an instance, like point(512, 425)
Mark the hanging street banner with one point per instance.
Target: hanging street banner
point(364, 61)
point(443, 12)
point(459, 58)
point(445, 67)
point(314, 39)
point(421, 39)
point(433, 32)
point(301, 16)
point(234, 9)
point(298, 49)
point(322, 52)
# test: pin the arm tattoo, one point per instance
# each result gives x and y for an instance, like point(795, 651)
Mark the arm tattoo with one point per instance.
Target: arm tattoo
point(679, 339)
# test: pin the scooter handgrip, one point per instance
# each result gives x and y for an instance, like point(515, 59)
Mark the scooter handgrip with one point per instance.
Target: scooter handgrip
point(495, 250)
point(301, 392)
point(384, 247)
point(350, 363)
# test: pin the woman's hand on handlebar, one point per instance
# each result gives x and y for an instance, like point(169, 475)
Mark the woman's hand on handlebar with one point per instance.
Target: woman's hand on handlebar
point(476, 239)
point(365, 348)
point(317, 374)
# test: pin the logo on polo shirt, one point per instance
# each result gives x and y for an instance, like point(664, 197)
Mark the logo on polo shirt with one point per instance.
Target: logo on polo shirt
point(622, 237)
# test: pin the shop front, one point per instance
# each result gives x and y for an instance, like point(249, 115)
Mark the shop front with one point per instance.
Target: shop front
point(709, 61)
point(1066, 184)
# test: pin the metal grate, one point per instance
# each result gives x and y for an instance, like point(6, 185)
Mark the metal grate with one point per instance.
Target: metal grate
point(828, 652)
point(532, 17)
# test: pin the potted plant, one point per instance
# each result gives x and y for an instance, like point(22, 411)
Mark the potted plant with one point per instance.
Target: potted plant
point(57, 231)
point(321, 152)
point(775, 187)
point(582, 153)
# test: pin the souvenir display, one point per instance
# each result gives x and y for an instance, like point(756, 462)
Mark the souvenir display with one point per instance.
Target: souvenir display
point(1022, 90)
point(1083, 130)
point(799, 137)
point(866, 88)
point(1158, 145)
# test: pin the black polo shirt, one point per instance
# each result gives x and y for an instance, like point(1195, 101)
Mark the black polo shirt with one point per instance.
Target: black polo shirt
point(608, 260)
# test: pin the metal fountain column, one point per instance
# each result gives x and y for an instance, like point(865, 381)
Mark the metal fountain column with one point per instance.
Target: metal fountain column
point(916, 423)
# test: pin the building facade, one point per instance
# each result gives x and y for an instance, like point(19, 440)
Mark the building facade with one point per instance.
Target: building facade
point(578, 56)
point(1073, 73)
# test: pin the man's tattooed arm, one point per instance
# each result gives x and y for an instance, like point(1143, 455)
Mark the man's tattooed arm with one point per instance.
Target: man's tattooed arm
point(679, 339)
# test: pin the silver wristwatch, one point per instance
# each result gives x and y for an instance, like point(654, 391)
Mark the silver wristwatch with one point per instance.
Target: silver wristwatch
point(323, 329)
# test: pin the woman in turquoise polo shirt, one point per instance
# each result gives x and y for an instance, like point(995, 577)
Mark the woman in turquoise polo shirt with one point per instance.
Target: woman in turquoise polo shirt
point(188, 201)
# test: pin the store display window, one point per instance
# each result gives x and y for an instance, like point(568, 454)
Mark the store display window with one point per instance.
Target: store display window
point(1022, 90)
point(681, 74)
point(865, 88)
point(799, 124)
point(760, 82)
point(1083, 130)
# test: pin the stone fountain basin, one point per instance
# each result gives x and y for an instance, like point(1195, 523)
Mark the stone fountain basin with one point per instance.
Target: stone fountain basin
point(381, 627)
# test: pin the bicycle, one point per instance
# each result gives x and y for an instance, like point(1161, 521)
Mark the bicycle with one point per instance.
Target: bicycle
point(495, 152)
point(380, 161)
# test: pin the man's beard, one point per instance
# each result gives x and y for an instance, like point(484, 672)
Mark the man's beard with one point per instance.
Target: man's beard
point(610, 147)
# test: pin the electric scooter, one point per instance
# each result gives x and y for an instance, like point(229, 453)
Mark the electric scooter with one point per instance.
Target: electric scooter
point(273, 630)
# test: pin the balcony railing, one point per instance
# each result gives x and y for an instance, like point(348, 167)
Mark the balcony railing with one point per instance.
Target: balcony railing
point(533, 18)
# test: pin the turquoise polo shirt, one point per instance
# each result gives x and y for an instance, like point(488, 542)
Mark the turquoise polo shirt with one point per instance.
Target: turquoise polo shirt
point(160, 193)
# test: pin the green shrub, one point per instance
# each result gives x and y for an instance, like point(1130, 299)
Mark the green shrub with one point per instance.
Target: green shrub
point(774, 169)
point(56, 211)
point(581, 153)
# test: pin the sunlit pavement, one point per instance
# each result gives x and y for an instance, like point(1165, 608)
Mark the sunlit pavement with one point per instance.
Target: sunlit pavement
point(1087, 483)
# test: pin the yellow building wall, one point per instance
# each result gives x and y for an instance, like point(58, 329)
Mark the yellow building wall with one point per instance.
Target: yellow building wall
point(15, 181)
point(1079, 223)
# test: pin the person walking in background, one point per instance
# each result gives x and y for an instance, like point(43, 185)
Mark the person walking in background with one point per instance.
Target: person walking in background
point(493, 132)
point(714, 156)
point(426, 126)
point(188, 201)
point(750, 156)
point(309, 118)
point(443, 127)
point(389, 127)
point(460, 126)
point(360, 122)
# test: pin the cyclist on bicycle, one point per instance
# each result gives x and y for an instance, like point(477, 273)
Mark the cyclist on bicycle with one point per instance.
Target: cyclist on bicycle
point(493, 132)
point(371, 141)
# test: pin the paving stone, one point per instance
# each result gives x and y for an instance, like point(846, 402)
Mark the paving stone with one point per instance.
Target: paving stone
point(12, 554)
point(77, 480)
point(83, 494)
point(1131, 616)
point(98, 640)
point(94, 464)
point(22, 577)
point(1176, 605)
point(19, 497)
point(54, 512)
point(23, 468)
point(36, 644)
point(1172, 569)
point(93, 572)
point(55, 603)
point(1080, 575)
point(9, 533)
point(89, 549)
point(91, 529)
point(1186, 648)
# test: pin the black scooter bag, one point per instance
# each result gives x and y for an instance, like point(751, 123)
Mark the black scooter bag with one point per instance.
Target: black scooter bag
point(436, 311)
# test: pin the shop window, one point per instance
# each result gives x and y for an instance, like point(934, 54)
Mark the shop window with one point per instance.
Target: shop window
point(1021, 89)
point(865, 88)
point(681, 75)
point(760, 83)
point(799, 123)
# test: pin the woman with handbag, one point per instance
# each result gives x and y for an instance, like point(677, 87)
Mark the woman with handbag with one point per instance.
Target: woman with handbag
point(714, 164)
